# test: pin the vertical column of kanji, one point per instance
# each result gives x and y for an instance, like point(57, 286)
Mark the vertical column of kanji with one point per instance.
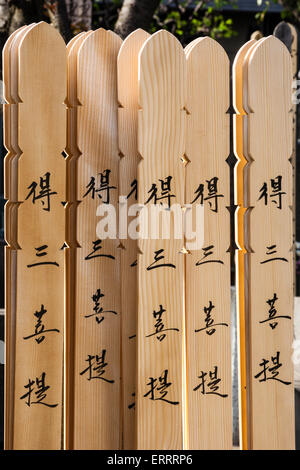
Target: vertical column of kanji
point(268, 76)
point(40, 182)
point(128, 124)
point(161, 141)
point(97, 279)
point(70, 252)
point(239, 129)
point(208, 261)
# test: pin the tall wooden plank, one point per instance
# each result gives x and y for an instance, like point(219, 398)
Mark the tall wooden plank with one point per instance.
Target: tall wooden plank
point(10, 143)
point(161, 142)
point(288, 34)
point(96, 366)
point(40, 183)
point(208, 265)
point(128, 131)
point(72, 245)
point(270, 265)
point(239, 125)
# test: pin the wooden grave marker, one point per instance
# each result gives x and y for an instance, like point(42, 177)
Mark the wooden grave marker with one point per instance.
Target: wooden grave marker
point(207, 282)
point(38, 172)
point(96, 312)
point(128, 132)
point(161, 144)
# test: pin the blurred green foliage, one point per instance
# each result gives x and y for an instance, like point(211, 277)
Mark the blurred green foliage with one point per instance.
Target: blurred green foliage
point(190, 19)
point(291, 10)
point(185, 19)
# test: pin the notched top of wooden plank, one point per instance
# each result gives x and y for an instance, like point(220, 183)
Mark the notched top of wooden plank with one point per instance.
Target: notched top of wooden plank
point(208, 65)
point(269, 99)
point(162, 96)
point(237, 77)
point(72, 50)
point(270, 71)
point(6, 55)
point(128, 67)
point(96, 56)
point(14, 62)
point(210, 59)
point(36, 65)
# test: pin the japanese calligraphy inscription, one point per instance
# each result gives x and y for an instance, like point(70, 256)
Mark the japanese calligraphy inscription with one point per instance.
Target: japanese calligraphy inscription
point(268, 240)
point(207, 283)
point(128, 187)
point(35, 182)
point(162, 72)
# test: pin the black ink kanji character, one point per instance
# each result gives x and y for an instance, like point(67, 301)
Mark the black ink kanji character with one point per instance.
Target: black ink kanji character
point(272, 313)
point(165, 191)
point(134, 190)
point(208, 251)
point(271, 250)
point(103, 187)
point(96, 367)
point(272, 370)
point(39, 329)
point(132, 405)
point(97, 247)
point(276, 187)
point(161, 386)
point(98, 311)
point(212, 194)
point(40, 253)
point(44, 191)
point(158, 257)
point(160, 330)
point(210, 325)
point(212, 386)
point(39, 392)
point(264, 193)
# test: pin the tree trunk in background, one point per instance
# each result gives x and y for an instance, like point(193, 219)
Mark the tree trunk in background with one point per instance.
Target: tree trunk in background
point(80, 15)
point(58, 15)
point(5, 16)
point(135, 14)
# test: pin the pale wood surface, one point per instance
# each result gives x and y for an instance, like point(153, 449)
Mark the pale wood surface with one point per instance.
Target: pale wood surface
point(267, 79)
point(10, 112)
point(208, 284)
point(239, 119)
point(161, 142)
point(40, 127)
point(256, 35)
point(10, 142)
point(96, 402)
point(128, 127)
point(71, 250)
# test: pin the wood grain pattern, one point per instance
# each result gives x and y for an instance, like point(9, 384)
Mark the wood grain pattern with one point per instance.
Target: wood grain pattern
point(10, 210)
point(40, 131)
point(70, 252)
point(128, 132)
point(239, 124)
point(96, 314)
point(10, 80)
point(267, 75)
point(161, 142)
point(207, 283)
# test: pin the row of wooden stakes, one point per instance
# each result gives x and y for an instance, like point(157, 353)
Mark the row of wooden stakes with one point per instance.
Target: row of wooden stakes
point(125, 343)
